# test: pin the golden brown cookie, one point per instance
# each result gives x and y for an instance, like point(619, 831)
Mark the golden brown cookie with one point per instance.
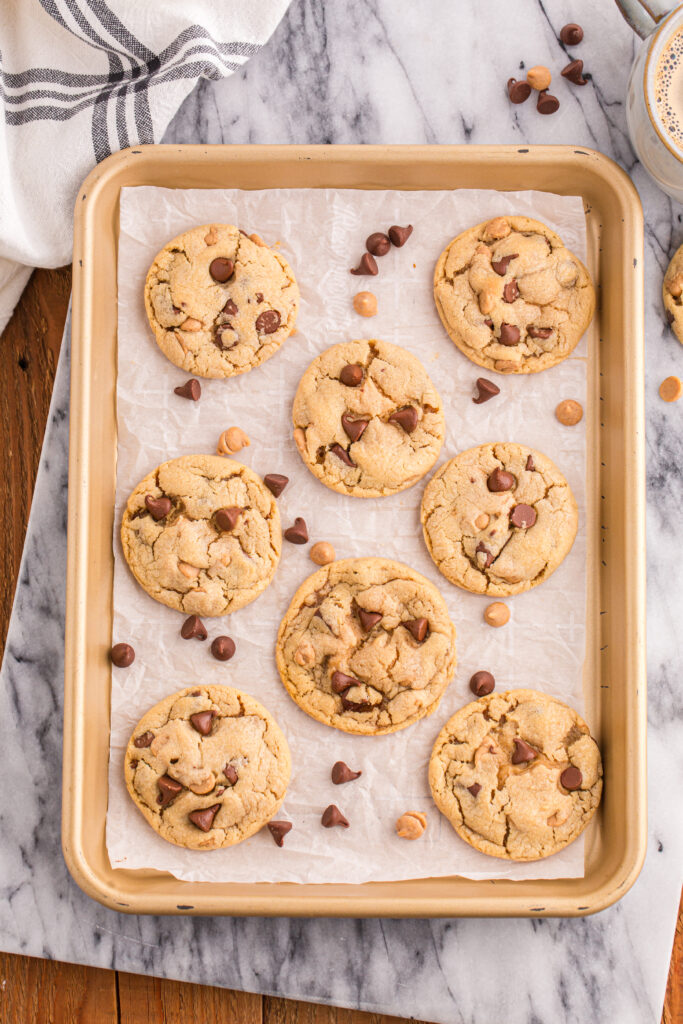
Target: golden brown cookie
point(672, 293)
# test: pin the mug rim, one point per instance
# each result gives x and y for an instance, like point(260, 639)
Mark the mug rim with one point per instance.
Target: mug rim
point(654, 41)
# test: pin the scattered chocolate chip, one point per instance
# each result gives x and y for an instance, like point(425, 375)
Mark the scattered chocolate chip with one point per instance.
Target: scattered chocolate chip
point(378, 243)
point(259, 296)
point(191, 390)
point(398, 235)
point(500, 480)
point(342, 454)
point(500, 266)
point(231, 775)
point(202, 721)
point(489, 323)
point(352, 375)
point(341, 682)
point(486, 390)
point(546, 103)
point(221, 269)
point(158, 508)
point(418, 628)
point(353, 429)
point(275, 483)
point(481, 547)
point(518, 91)
point(367, 266)
point(368, 620)
point(571, 778)
point(230, 308)
point(122, 655)
point(193, 629)
point(573, 72)
point(510, 291)
point(571, 34)
point(341, 773)
point(522, 752)
point(268, 321)
point(204, 819)
point(530, 467)
point(474, 789)
point(297, 534)
point(509, 334)
point(226, 518)
point(333, 816)
point(223, 648)
point(355, 705)
point(523, 516)
point(669, 317)
point(481, 684)
point(278, 830)
point(143, 741)
point(406, 418)
point(539, 332)
point(168, 790)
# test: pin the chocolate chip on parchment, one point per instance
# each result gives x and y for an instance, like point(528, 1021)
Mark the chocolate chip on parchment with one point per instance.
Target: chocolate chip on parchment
point(352, 375)
point(547, 104)
point(571, 34)
point(230, 773)
point(398, 235)
point(226, 518)
point(486, 390)
point(203, 819)
point(333, 816)
point(367, 266)
point(193, 629)
point(341, 773)
point(530, 467)
point(192, 390)
point(221, 269)
point(268, 321)
point(500, 266)
point(406, 417)
point(518, 91)
point(418, 628)
point(482, 683)
point(342, 454)
point(230, 308)
point(488, 555)
point(143, 741)
point(368, 620)
point(340, 682)
point(122, 655)
point(202, 721)
point(353, 429)
point(378, 243)
point(222, 648)
point(474, 789)
point(276, 483)
point(571, 778)
point(168, 790)
point(522, 752)
point(509, 334)
point(510, 291)
point(573, 72)
point(158, 508)
point(523, 516)
point(278, 830)
point(539, 332)
point(500, 480)
point(297, 534)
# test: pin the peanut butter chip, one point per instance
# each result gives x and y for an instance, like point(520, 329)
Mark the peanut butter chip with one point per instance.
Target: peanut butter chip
point(497, 228)
point(365, 303)
point(232, 440)
point(322, 553)
point(539, 77)
point(670, 389)
point(411, 825)
point(569, 412)
point(497, 614)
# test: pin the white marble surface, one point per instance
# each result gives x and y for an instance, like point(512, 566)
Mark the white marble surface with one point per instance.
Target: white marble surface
point(381, 71)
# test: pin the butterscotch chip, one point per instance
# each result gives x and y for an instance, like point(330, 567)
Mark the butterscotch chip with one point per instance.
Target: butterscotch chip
point(670, 389)
point(569, 412)
point(365, 303)
point(411, 825)
point(497, 614)
point(232, 440)
point(322, 553)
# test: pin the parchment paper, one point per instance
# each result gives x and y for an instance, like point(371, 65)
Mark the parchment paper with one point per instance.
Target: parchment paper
point(322, 234)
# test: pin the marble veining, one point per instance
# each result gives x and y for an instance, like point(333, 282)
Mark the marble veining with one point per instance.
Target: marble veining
point(377, 71)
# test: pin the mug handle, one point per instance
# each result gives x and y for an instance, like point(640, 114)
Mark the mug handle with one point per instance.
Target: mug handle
point(643, 15)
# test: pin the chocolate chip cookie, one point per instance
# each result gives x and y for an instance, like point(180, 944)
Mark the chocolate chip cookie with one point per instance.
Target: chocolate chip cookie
point(517, 774)
point(207, 767)
point(202, 534)
point(367, 419)
point(219, 302)
point(366, 646)
point(511, 296)
point(498, 519)
point(672, 293)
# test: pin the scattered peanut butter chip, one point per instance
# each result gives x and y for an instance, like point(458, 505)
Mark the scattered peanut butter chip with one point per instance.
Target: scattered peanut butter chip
point(497, 614)
point(227, 518)
point(257, 240)
point(411, 825)
point(539, 77)
point(569, 412)
point(333, 816)
point(486, 552)
point(378, 243)
point(212, 237)
point(297, 534)
point(223, 648)
point(276, 483)
point(547, 104)
point(523, 516)
point(500, 480)
point(168, 790)
point(232, 440)
point(341, 773)
point(406, 418)
point(158, 508)
point(510, 292)
point(352, 375)
point(144, 740)
point(191, 324)
point(221, 269)
point(474, 789)
point(522, 753)
point(573, 72)
point(571, 778)
point(231, 775)
point(278, 830)
point(400, 235)
point(670, 389)
point(418, 628)
point(482, 683)
point(202, 721)
point(122, 655)
point(509, 335)
point(365, 304)
point(341, 682)
point(342, 454)
point(518, 91)
point(203, 819)
point(500, 266)
point(193, 629)
point(486, 390)
point(482, 520)
point(354, 429)
point(499, 227)
point(367, 266)
point(571, 34)
point(368, 620)
point(192, 390)
point(321, 553)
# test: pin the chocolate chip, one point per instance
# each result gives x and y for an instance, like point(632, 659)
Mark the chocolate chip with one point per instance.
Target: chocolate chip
point(231, 775)
point(368, 620)
point(275, 483)
point(571, 34)
point(522, 752)
point(278, 830)
point(669, 317)
point(355, 705)
point(500, 480)
point(539, 332)
point(333, 816)
point(500, 266)
point(486, 390)
point(268, 321)
point(509, 334)
point(230, 308)
point(222, 648)
point(510, 291)
point(398, 235)
point(168, 790)
point(341, 773)
point(158, 508)
point(352, 375)
point(144, 741)
point(367, 266)
point(481, 684)
point(406, 418)
point(122, 655)
point(204, 819)
point(518, 91)
point(221, 269)
point(341, 682)
point(223, 333)
point(573, 72)
point(489, 323)
point(378, 243)
point(202, 721)
point(191, 390)
point(523, 516)
point(342, 454)
point(489, 555)
point(474, 789)
point(353, 429)
point(259, 296)
point(297, 534)
point(193, 629)
point(546, 103)
point(418, 628)
point(226, 518)
point(530, 467)
point(571, 778)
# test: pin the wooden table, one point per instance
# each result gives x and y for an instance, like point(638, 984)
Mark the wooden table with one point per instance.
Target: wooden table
point(41, 991)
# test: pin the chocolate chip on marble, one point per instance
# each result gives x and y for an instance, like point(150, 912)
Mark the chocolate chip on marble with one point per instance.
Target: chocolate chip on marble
point(230, 308)
point(158, 508)
point(523, 752)
point(340, 682)
point(378, 243)
point(547, 104)
point(278, 830)
point(518, 91)
point(530, 467)
point(509, 335)
point(481, 548)
point(145, 740)
point(367, 266)
point(231, 775)
point(276, 483)
point(573, 72)
point(523, 516)
point(221, 269)
point(486, 390)
point(571, 34)
point(333, 816)
point(192, 390)
point(352, 375)
point(202, 721)
point(268, 321)
point(474, 789)
point(226, 518)
point(341, 773)
point(510, 291)
point(122, 655)
point(539, 332)
point(222, 648)
point(342, 454)
point(193, 629)
point(400, 235)
point(482, 683)
point(500, 480)
point(418, 628)
point(368, 620)
point(168, 790)
point(406, 417)
point(354, 429)
point(500, 266)
point(297, 534)
point(203, 819)
point(571, 778)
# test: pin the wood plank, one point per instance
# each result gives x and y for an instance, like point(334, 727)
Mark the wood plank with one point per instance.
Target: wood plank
point(144, 1000)
point(673, 1002)
point(47, 992)
point(286, 1011)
